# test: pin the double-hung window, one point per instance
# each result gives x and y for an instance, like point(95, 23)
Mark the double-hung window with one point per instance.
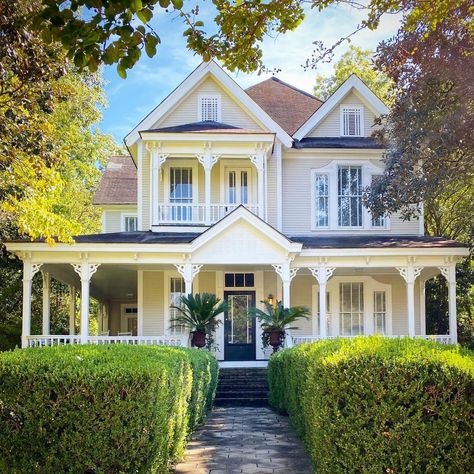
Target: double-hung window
point(352, 121)
point(181, 193)
point(351, 297)
point(209, 108)
point(238, 186)
point(349, 189)
point(130, 223)
point(321, 200)
point(380, 312)
point(176, 292)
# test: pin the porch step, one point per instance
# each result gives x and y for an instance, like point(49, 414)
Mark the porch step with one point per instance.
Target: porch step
point(242, 387)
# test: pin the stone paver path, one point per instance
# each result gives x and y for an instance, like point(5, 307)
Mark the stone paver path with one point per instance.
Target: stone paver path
point(246, 440)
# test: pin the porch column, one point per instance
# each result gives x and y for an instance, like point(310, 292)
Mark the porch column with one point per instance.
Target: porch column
point(207, 160)
point(450, 274)
point(322, 273)
point(286, 274)
point(29, 271)
point(72, 310)
point(422, 308)
point(46, 302)
point(85, 270)
point(157, 159)
point(258, 160)
point(188, 271)
point(409, 274)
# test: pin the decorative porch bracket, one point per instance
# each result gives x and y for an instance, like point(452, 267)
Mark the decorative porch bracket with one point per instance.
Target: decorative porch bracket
point(286, 274)
point(29, 271)
point(157, 159)
point(322, 273)
point(207, 160)
point(85, 270)
point(188, 271)
point(449, 273)
point(410, 273)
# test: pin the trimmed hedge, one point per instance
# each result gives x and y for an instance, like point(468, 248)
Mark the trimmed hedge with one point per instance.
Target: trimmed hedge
point(104, 409)
point(378, 405)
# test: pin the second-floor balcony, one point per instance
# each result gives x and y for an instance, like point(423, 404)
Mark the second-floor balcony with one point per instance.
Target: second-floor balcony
point(198, 214)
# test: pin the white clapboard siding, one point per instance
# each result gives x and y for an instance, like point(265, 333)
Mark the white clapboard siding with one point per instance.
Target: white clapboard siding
point(153, 304)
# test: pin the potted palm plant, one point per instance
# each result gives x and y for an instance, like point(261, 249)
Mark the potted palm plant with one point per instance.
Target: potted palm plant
point(199, 314)
point(275, 320)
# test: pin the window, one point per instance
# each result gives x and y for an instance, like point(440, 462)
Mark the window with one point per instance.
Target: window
point(177, 289)
point(238, 186)
point(181, 192)
point(209, 108)
point(351, 121)
point(352, 308)
point(130, 223)
point(349, 185)
point(321, 200)
point(378, 221)
point(380, 312)
point(239, 280)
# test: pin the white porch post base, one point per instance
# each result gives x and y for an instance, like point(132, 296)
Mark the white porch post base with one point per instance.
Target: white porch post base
point(46, 302)
point(322, 273)
point(85, 270)
point(29, 271)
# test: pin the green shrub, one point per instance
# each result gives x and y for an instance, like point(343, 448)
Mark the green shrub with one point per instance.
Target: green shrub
point(377, 405)
point(104, 409)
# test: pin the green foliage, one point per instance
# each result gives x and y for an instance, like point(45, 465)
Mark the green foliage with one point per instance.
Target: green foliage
point(355, 61)
point(379, 405)
point(101, 408)
point(199, 313)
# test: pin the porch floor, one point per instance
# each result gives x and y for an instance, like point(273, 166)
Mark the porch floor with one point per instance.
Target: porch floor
point(245, 440)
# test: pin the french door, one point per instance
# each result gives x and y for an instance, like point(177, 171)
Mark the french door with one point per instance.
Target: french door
point(181, 194)
point(239, 329)
point(238, 186)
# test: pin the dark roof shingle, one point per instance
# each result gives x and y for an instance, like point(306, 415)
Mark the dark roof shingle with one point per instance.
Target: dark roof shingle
point(338, 142)
point(119, 182)
point(203, 127)
point(288, 106)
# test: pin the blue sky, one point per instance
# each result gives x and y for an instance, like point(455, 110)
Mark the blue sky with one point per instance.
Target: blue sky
point(151, 80)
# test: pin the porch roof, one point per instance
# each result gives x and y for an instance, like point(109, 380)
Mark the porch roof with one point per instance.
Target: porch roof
point(309, 242)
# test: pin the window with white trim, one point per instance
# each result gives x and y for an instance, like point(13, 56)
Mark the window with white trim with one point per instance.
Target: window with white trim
point(177, 290)
point(351, 298)
point(380, 221)
point(209, 108)
point(181, 193)
point(352, 121)
point(380, 312)
point(321, 200)
point(130, 223)
point(349, 196)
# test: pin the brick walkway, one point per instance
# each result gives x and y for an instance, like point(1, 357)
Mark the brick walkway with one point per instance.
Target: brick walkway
point(246, 440)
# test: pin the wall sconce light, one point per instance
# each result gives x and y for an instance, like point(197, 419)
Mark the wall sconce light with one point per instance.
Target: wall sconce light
point(270, 299)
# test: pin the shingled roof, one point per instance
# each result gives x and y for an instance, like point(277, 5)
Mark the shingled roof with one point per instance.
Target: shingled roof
point(119, 182)
point(288, 106)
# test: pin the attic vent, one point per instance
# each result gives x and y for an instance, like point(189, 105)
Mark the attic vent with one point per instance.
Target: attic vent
point(352, 121)
point(209, 108)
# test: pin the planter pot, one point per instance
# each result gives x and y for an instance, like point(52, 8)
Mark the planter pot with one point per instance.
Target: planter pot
point(198, 339)
point(275, 339)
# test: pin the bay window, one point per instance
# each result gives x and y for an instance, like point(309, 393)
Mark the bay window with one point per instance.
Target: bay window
point(349, 196)
point(321, 200)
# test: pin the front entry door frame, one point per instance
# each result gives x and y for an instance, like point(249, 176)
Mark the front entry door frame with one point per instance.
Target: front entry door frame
point(240, 351)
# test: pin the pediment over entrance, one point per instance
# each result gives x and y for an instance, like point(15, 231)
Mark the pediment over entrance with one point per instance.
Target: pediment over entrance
point(242, 238)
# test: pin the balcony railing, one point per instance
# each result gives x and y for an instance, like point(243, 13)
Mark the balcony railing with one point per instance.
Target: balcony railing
point(189, 214)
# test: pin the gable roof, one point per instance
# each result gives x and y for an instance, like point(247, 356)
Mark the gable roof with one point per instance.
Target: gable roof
point(202, 71)
point(118, 184)
point(288, 106)
point(353, 82)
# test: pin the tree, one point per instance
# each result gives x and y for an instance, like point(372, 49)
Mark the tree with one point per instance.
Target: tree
point(354, 61)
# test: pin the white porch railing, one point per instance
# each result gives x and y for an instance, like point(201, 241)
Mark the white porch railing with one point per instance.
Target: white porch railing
point(40, 340)
point(186, 214)
point(442, 339)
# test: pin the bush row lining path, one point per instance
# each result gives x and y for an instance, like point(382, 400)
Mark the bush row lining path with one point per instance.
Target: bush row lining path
point(245, 440)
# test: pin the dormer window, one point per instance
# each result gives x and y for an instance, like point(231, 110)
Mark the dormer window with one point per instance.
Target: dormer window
point(352, 121)
point(209, 108)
